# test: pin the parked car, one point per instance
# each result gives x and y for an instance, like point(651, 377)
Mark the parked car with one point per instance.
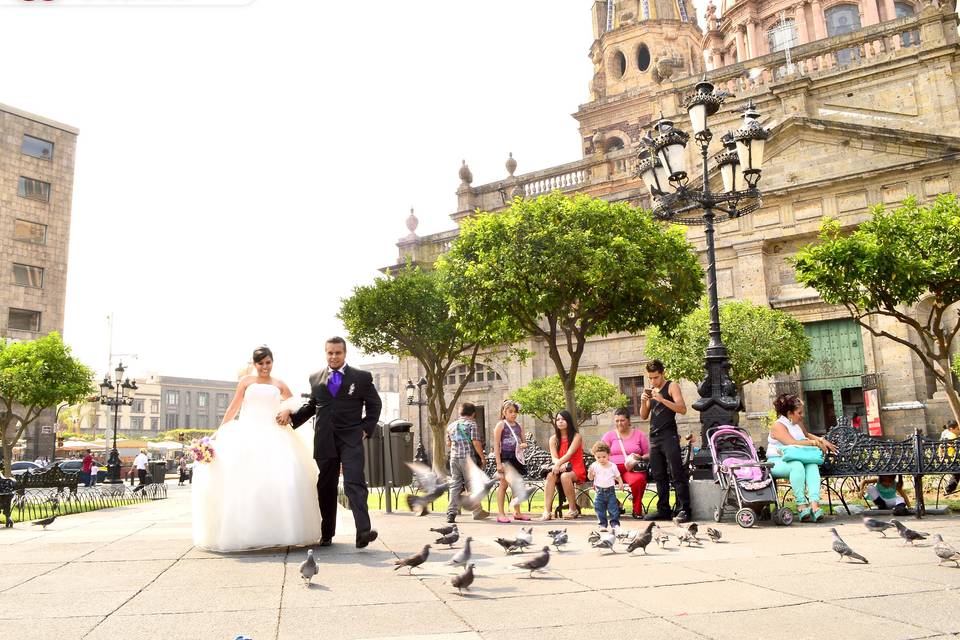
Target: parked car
point(23, 466)
point(75, 466)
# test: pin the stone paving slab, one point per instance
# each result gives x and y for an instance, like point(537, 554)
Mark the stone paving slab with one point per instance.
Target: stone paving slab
point(141, 576)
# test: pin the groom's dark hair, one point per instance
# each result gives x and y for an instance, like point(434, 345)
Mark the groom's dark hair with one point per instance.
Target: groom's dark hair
point(337, 340)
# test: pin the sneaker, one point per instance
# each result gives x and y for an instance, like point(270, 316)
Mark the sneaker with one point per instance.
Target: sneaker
point(481, 515)
point(451, 517)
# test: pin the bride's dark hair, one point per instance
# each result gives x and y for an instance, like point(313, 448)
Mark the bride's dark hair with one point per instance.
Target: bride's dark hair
point(260, 353)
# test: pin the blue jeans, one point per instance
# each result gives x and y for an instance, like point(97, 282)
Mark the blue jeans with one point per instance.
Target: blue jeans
point(605, 503)
point(804, 478)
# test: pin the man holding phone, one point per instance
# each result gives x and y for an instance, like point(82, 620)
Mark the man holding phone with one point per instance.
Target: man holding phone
point(661, 403)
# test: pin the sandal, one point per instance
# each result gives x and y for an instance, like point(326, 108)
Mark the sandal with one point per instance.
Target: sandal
point(572, 515)
point(545, 517)
point(522, 517)
point(805, 515)
point(503, 520)
point(818, 515)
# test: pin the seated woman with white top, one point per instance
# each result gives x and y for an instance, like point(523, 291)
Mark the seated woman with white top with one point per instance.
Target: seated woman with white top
point(804, 478)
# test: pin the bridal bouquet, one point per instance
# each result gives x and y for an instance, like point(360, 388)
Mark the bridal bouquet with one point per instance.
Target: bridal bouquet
point(202, 450)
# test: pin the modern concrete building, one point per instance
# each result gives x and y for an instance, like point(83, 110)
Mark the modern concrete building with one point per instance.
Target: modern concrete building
point(862, 103)
point(386, 378)
point(194, 403)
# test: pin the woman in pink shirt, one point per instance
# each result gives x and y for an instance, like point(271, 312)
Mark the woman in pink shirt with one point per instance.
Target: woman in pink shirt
point(624, 441)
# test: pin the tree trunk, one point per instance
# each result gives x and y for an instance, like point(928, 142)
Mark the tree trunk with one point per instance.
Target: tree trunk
point(569, 398)
point(439, 455)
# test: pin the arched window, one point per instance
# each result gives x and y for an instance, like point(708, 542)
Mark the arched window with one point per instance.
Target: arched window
point(643, 57)
point(841, 19)
point(613, 144)
point(782, 35)
point(482, 373)
point(618, 64)
point(905, 10)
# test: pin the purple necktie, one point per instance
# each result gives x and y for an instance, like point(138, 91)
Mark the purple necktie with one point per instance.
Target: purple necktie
point(333, 385)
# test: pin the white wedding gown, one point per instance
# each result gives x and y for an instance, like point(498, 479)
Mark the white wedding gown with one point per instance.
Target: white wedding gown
point(260, 491)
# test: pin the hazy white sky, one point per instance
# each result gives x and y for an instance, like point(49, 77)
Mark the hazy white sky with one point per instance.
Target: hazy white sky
point(240, 169)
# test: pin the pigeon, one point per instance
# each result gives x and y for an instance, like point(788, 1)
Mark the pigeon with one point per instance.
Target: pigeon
point(642, 540)
point(593, 537)
point(449, 539)
point(845, 551)
point(627, 536)
point(518, 487)
point(554, 532)
point(526, 534)
point(686, 533)
point(559, 539)
point(877, 526)
point(464, 580)
point(536, 563)
point(46, 521)
point(308, 568)
point(660, 536)
point(509, 546)
point(415, 560)
point(909, 535)
point(462, 557)
point(429, 481)
point(479, 485)
point(445, 530)
point(944, 551)
point(713, 534)
point(606, 541)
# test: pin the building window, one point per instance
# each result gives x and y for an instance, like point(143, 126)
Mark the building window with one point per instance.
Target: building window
point(186, 398)
point(219, 419)
point(782, 35)
point(136, 423)
point(483, 373)
point(36, 147)
point(154, 423)
point(618, 65)
point(905, 10)
point(202, 397)
point(643, 57)
point(23, 320)
point(632, 387)
point(223, 400)
point(841, 19)
point(25, 275)
point(186, 421)
point(29, 232)
point(202, 422)
point(173, 398)
point(170, 421)
point(137, 406)
point(34, 189)
point(154, 406)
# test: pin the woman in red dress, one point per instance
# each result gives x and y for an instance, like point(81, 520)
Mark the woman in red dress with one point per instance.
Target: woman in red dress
point(566, 451)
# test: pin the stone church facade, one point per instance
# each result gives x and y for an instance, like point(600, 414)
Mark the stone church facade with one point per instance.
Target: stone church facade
point(861, 100)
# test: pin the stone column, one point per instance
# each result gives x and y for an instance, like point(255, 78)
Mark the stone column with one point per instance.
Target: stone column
point(800, 18)
point(753, 43)
point(889, 10)
point(716, 55)
point(741, 49)
point(819, 22)
point(870, 13)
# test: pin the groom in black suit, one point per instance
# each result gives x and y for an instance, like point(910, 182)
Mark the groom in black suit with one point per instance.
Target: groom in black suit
point(347, 408)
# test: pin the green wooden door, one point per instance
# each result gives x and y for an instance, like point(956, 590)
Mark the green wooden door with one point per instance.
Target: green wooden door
point(836, 361)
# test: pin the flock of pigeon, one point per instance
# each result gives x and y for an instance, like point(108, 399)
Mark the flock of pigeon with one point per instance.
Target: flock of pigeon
point(943, 551)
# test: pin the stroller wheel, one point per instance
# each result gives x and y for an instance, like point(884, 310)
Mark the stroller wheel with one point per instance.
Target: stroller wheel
point(717, 514)
point(746, 518)
point(783, 517)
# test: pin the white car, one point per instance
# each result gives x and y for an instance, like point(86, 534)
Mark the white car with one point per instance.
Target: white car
point(22, 466)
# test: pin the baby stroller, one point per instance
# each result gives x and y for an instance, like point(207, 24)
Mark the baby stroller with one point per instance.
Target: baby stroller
point(747, 483)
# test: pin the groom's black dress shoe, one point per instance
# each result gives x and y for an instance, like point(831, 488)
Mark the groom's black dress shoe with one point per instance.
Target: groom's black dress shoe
point(365, 537)
point(326, 542)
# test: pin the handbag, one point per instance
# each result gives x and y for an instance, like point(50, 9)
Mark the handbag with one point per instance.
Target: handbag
point(546, 469)
point(518, 452)
point(630, 462)
point(799, 453)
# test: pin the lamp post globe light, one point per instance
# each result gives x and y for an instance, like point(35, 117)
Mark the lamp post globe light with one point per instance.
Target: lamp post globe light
point(116, 394)
point(421, 455)
point(663, 170)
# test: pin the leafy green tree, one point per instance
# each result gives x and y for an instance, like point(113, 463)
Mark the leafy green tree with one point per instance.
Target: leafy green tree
point(563, 269)
point(889, 264)
point(543, 397)
point(34, 376)
point(406, 314)
point(760, 342)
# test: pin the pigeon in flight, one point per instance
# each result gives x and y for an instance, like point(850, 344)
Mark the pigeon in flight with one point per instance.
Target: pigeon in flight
point(308, 568)
point(844, 550)
point(908, 535)
point(518, 487)
point(537, 563)
point(462, 557)
point(415, 560)
point(463, 580)
point(877, 526)
point(431, 485)
point(944, 551)
point(478, 487)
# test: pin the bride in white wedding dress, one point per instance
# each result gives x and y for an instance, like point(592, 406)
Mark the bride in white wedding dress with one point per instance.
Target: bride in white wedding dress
point(260, 490)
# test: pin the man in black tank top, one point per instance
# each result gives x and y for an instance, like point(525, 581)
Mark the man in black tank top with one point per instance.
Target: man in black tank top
point(661, 404)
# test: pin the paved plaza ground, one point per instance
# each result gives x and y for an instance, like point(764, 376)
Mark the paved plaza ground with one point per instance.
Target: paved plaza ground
point(132, 572)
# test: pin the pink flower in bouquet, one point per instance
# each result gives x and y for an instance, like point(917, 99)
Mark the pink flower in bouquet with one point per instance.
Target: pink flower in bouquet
point(202, 450)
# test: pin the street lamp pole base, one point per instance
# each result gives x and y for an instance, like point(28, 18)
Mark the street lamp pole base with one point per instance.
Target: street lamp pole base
point(113, 468)
point(719, 405)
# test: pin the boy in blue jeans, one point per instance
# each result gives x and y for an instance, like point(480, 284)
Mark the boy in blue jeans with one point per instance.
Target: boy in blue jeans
point(606, 480)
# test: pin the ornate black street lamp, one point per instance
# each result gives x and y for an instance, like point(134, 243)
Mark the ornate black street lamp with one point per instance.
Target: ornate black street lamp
point(662, 168)
point(116, 395)
point(421, 455)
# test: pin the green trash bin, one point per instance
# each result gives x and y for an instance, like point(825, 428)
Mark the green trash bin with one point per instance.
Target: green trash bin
point(373, 458)
point(157, 471)
point(401, 452)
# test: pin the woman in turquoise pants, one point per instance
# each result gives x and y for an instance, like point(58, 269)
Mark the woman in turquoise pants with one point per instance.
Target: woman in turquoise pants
point(804, 478)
